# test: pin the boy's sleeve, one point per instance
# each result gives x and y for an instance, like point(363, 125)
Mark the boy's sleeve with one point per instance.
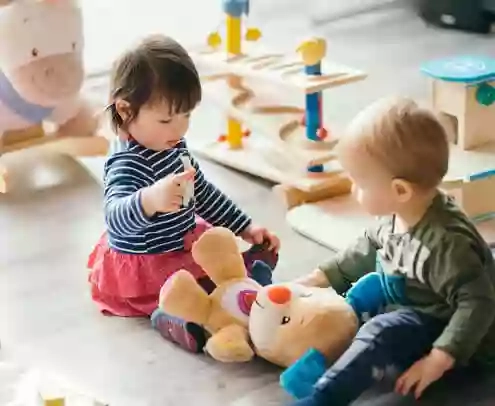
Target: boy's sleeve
point(458, 274)
point(355, 261)
point(214, 206)
point(125, 175)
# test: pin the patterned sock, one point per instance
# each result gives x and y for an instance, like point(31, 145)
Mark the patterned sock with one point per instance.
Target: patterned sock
point(189, 336)
point(261, 273)
point(260, 252)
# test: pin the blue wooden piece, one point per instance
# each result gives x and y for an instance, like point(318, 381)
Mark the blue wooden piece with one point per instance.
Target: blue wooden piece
point(469, 69)
point(316, 168)
point(236, 8)
point(482, 175)
point(313, 102)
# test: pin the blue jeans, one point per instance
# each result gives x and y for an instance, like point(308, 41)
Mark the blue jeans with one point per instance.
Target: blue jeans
point(397, 339)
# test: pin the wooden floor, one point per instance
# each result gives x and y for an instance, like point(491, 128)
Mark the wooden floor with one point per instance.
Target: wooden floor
point(54, 216)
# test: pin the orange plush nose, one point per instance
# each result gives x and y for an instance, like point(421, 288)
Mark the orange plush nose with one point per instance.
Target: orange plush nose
point(279, 294)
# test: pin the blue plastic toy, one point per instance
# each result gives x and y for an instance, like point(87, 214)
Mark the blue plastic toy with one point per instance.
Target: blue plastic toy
point(298, 380)
point(463, 69)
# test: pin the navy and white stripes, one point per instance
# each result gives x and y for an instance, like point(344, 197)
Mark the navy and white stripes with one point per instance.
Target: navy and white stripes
point(129, 229)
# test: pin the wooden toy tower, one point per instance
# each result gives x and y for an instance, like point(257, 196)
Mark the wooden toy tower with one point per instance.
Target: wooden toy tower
point(284, 143)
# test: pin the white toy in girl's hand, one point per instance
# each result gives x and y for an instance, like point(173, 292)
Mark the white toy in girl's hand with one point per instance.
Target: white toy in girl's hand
point(41, 66)
point(189, 187)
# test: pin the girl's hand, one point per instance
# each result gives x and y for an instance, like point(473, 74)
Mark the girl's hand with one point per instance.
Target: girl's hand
point(166, 195)
point(258, 235)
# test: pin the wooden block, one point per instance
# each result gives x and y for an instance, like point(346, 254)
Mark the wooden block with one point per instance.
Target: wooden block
point(52, 391)
point(286, 69)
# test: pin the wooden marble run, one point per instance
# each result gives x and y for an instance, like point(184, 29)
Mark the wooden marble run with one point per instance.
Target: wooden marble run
point(42, 136)
point(286, 144)
point(463, 90)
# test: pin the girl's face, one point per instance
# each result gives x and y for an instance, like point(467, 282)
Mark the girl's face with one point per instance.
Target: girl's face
point(154, 127)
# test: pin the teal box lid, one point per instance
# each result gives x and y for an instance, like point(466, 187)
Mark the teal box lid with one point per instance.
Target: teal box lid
point(462, 69)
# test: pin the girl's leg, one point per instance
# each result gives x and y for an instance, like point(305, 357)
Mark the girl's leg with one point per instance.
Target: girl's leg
point(396, 339)
point(189, 336)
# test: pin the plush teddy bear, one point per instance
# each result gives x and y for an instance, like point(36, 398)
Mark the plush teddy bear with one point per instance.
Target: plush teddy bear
point(289, 319)
point(225, 312)
point(279, 322)
point(41, 71)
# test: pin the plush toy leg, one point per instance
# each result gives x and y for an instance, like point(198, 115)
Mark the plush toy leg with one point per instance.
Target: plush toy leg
point(230, 344)
point(181, 296)
point(298, 380)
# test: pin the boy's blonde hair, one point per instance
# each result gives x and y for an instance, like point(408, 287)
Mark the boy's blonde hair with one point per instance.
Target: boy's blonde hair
point(407, 140)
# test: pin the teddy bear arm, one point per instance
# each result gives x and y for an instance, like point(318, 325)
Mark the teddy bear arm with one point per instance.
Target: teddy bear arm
point(230, 344)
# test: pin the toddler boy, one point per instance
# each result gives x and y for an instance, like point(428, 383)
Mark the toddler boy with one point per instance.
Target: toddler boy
point(435, 271)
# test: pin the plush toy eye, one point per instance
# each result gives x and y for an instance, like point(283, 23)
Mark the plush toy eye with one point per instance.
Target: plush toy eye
point(34, 52)
point(285, 319)
point(73, 46)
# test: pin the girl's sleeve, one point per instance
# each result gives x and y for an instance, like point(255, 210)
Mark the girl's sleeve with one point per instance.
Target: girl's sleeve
point(215, 207)
point(125, 175)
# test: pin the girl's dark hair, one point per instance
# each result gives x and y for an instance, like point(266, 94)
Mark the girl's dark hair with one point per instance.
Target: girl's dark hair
point(157, 69)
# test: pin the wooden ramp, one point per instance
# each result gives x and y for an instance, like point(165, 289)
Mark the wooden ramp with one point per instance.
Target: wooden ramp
point(286, 69)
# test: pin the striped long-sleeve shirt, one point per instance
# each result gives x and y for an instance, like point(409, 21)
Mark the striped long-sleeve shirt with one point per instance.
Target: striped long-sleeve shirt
point(130, 230)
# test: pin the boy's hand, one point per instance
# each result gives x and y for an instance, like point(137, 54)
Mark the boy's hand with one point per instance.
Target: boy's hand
point(316, 279)
point(258, 235)
point(424, 372)
point(166, 195)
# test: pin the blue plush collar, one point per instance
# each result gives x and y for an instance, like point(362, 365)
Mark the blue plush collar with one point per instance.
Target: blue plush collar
point(15, 102)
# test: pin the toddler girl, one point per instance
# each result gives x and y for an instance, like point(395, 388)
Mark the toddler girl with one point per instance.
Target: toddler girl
point(151, 223)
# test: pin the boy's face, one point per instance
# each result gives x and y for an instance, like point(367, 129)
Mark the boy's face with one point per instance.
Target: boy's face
point(155, 128)
point(372, 186)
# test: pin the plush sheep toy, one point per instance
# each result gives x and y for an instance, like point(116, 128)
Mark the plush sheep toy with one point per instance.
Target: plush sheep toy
point(41, 67)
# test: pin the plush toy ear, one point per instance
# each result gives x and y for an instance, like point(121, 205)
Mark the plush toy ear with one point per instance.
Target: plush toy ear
point(217, 252)
point(181, 296)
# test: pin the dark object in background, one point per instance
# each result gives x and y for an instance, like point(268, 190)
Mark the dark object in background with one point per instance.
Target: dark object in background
point(470, 15)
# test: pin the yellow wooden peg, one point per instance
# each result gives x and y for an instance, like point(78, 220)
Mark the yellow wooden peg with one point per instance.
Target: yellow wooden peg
point(54, 402)
point(253, 34)
point(214, 40)
point(312, 51)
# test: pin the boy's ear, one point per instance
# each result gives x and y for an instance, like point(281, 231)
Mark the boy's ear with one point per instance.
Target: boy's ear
point(123, 109)
point(402, 190)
